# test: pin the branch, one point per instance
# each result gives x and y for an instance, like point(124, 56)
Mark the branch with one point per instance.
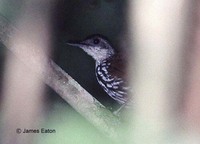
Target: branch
point(52, 75)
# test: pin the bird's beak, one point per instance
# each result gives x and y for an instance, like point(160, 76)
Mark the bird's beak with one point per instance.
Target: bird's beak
point(77, 44)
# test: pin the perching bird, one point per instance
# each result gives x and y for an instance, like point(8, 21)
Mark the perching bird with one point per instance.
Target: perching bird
point(110, 66)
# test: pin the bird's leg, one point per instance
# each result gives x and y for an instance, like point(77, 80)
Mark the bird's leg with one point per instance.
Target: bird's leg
point(117, 112)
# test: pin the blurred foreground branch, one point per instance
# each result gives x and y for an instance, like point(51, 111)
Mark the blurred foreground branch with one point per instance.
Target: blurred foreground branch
point(192, 92)
point(19, 43)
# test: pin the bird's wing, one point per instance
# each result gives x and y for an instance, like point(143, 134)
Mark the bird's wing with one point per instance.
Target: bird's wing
point(118, 70)
point(118, 67)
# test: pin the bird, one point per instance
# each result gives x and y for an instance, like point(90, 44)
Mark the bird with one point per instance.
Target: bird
point(110, 66)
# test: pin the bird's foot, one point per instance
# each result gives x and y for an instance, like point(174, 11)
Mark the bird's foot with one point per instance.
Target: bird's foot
point(119, 110)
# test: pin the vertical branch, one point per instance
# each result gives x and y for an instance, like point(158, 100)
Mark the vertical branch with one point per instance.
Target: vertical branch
point(23, 91)
point(192, 96)
point(158, 28)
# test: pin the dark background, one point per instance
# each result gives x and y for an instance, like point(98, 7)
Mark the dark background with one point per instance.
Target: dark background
point(75, 20)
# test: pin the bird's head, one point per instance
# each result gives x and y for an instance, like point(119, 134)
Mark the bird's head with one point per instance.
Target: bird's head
point(96, 46)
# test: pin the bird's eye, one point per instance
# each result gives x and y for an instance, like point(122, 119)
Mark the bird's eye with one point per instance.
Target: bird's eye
point(96, 41)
